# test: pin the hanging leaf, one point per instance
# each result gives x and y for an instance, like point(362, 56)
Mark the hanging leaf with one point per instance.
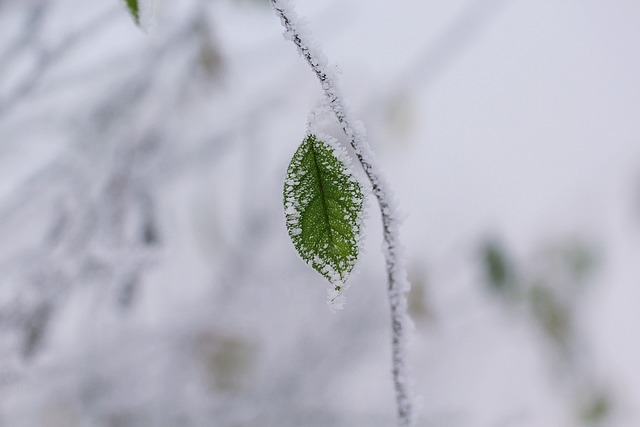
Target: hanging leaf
point(134, 9)
point(323, 208)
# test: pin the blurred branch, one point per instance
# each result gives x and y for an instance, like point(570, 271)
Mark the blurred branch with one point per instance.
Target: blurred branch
point(90, 240)
point(437, 56)
point(30, 30)
point(48, 57)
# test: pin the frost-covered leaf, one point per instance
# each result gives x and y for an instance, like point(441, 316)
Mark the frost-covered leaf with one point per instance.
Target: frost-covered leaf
point(134, 9)
point(323, 207)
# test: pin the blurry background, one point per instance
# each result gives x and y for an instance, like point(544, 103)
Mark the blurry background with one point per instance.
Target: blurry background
point(146, 276)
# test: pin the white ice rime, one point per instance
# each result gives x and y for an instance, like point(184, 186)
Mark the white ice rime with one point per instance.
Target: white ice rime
point(296, 31)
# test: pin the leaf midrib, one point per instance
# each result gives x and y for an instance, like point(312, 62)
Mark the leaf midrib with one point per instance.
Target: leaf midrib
point(325, 209)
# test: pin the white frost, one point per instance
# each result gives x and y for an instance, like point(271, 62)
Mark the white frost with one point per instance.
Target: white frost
point(355, 132)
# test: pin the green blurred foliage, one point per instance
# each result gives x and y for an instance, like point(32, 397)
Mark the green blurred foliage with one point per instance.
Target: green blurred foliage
point(499, 269)
point(596, 409)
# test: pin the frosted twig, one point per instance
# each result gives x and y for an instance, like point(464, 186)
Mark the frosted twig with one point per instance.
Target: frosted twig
point(355, 132)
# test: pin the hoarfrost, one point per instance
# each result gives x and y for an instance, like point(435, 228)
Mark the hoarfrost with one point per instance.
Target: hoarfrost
point(355, 132)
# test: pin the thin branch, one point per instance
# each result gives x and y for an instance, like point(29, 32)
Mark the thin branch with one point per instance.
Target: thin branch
point(355, 132)
point(49, 57)
point(438, 55)
point(30, 30)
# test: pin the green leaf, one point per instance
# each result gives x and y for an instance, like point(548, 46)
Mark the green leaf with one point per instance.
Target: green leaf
point(323, 207)
point(134, 9)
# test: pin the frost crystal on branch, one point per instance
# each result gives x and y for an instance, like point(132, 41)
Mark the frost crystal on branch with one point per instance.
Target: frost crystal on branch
point(296, 31)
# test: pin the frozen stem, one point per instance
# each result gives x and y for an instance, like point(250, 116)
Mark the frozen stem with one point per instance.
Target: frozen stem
point(355, 132)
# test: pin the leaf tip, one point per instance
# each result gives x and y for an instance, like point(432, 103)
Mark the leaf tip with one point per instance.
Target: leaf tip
point(134, 10)
point(335, 297)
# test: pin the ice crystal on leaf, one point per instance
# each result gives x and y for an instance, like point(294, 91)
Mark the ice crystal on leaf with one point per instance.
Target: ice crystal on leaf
point(323, 207)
